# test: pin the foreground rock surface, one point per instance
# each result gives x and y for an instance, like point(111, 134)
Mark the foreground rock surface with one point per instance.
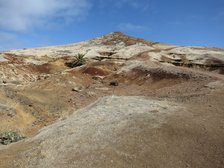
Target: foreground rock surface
point(111, 132)
point(165, 109)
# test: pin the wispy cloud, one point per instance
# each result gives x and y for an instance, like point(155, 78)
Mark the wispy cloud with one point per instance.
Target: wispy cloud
point(132, 3)
point(23, 15)
point(135, 4)
point(132, 27)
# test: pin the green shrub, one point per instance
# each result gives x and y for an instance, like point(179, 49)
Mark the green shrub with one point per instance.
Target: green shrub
point(10, 137)
point(78, 61)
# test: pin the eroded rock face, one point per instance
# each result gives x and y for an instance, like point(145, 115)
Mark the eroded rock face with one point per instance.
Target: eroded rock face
point(167, 95)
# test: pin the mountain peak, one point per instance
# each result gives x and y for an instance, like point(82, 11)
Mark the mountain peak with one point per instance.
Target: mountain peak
point(115, 38)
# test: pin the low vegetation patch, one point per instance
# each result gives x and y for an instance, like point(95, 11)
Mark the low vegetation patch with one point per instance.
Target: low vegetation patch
point(10, 137)
point(78, 61)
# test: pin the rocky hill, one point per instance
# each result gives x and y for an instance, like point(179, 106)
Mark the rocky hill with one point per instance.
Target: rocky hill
point(131, 103)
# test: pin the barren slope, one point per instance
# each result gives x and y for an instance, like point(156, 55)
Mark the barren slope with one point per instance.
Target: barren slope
point(167, 110)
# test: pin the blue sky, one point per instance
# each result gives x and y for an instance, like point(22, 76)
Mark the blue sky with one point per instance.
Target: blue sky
point(37, 23)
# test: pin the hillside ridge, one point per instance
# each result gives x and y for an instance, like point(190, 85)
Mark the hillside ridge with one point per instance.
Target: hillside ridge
point(127, 102)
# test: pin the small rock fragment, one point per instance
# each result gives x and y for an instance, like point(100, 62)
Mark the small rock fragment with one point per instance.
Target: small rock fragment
point(77, 89)
point(114, 83)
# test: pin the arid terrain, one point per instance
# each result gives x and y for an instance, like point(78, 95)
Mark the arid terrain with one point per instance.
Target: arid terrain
point(133, 104)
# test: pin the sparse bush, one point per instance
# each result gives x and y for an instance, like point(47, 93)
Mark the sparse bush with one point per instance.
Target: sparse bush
point(10, 137)
point(79, 60)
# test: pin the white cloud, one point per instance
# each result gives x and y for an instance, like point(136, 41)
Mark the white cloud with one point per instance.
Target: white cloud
point(23, 15)
point(132, 27)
